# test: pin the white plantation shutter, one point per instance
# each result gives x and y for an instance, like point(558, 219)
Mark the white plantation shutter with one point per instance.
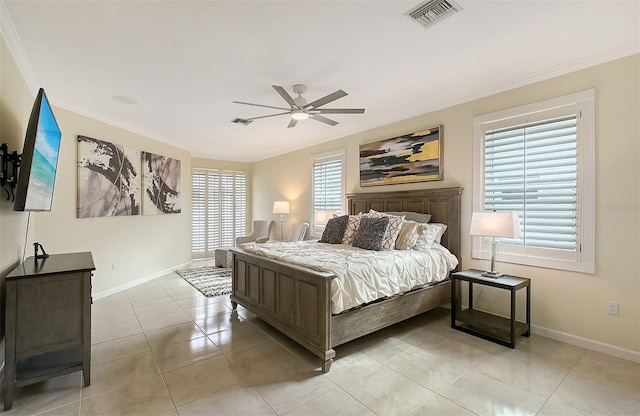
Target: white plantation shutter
point(328, 186)
point(539, 161)
point(219, 209)
point(532, 169)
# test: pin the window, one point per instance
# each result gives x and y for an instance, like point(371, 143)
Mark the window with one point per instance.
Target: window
point(538, 160)
point(328, 188)
point(219, 209)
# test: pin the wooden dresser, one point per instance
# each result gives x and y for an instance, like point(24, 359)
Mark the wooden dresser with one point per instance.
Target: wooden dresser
point(47, 320)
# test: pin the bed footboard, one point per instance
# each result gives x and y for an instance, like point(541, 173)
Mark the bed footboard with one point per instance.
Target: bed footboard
point(292, 299)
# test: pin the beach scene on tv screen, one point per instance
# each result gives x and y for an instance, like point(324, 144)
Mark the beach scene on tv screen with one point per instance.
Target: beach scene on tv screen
point(44, 162)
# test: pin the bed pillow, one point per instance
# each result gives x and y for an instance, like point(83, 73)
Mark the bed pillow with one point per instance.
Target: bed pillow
point(334, 230)
point(350, 231)
point(427, 235)
point(412, 216)
point(371, 233)
point(407, 236)
point(441, 229)
point(395, 224)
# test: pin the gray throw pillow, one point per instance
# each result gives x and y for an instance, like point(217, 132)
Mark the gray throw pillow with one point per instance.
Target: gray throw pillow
point(370, 234)
point(334, 230)
point(412, 216)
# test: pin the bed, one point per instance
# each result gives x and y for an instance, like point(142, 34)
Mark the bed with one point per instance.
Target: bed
point(296, 300)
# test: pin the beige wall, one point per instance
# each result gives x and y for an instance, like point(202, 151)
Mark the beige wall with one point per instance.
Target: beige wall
point(125, 249)
point(570, 303)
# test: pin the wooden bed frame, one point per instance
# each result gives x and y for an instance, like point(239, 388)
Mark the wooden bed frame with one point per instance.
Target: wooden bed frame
point(297, 301)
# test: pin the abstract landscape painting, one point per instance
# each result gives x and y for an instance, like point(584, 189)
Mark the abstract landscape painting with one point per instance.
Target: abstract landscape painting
point(414, 157)
point(161, 184)
point(108, 179)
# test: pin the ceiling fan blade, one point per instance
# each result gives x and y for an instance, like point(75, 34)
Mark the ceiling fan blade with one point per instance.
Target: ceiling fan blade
point(270, 115)
point(260, 105)
point(292, 123)
point(338, 111)
point(284, 94)
point(324, 120)
point(326, 99)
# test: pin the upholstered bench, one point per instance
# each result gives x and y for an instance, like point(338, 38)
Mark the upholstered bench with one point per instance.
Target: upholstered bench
point(223, 258)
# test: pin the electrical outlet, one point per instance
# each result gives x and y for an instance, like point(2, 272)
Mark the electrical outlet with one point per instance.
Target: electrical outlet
point(612, 308)
point(113, 266)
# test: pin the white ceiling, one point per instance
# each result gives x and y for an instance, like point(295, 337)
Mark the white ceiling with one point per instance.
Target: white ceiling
point(184, 62)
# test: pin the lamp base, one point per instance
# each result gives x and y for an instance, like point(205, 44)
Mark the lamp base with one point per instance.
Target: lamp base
point(493, 275)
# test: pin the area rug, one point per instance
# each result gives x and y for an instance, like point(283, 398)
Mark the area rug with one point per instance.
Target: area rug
point(209, 280)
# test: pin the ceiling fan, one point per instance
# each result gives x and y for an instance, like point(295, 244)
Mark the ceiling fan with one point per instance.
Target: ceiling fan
point(300, 109)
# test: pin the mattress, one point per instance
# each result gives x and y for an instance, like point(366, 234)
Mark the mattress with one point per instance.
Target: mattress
point(362, 276)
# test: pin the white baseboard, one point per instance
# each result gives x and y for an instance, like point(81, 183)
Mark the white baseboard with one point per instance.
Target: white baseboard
point(587, 343)
point(129, 285)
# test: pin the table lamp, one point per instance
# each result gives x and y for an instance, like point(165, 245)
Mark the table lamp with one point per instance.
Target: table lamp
point(281, 207)
point(495, 224)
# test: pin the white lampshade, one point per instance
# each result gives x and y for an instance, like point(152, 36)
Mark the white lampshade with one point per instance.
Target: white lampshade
point(281, 207)
point(322, 217)
point(495, 224)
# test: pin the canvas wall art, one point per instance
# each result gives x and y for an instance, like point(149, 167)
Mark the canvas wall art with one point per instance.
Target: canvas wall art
point(161, 184)
point(108, 179)
point(414, 157)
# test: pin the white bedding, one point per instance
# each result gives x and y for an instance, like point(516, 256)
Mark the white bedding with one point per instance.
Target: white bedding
point(362, 275)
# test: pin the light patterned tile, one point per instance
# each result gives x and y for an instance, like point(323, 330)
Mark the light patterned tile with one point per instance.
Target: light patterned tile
point(207, 310)
point(240, 338)
point(347, 367)
point(237, 400)
point(383, 349)
point(72, 409)
point(335, 402)
point(112, 303)
point(614, 361)
point(441, 407)
point(185, 353)
point(164, 337)
point(222, 322)
point(610, 377)
point(552, 410)
point(288, 394)
point(147, 397)
point(458, 352)
point(585, 398)
point(388, 393)
point(118, 348)
point(118, 317)
point(532, 378)
point(111, 332)
point(120, 373)
point(486, 396)
point(200, 380)
point(427, 368)
point(547, 352)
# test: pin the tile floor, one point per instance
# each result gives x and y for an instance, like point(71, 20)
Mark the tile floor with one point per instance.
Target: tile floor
point(162, 348)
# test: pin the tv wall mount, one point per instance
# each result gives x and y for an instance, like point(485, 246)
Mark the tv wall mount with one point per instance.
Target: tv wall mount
point(9, 175)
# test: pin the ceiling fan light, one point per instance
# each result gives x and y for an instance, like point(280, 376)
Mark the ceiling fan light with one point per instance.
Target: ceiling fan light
point(299, 115)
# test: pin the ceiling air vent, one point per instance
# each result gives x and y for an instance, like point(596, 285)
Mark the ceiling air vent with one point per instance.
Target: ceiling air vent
point(241, 121)
point(432, 11)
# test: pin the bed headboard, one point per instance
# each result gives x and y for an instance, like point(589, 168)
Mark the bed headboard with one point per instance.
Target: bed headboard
point(442, 203)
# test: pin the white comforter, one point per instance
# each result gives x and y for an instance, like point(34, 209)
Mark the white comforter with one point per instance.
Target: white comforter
point(362, 275)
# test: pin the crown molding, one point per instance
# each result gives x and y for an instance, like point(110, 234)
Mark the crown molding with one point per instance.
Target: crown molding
point(10, 35)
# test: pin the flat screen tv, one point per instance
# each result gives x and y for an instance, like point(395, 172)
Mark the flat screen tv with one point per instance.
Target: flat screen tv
point(39, 161)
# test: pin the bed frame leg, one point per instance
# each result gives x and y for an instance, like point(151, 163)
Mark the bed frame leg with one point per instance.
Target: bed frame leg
point(234, 305)
point(326, 366)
